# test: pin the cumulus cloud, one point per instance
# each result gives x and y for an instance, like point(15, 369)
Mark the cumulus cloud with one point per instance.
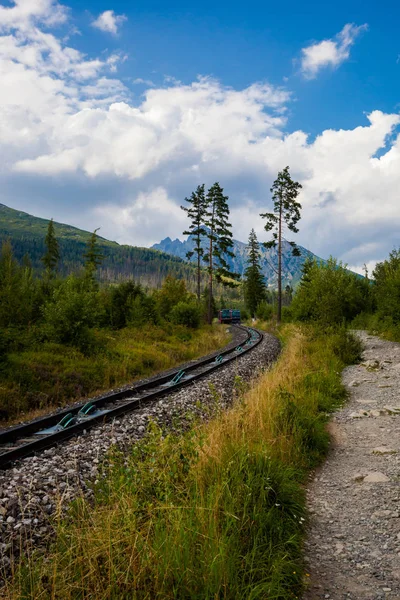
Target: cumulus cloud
point(24, 13)
point(108, 21)
point(329, 53)
point(146, 214)
point(127, 167)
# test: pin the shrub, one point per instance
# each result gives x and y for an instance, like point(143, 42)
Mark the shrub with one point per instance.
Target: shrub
point(329, 294)
point(172, 292)
point(287, 314)
point(186, 313)
point(346, 346)
point(73, 310)
point(264, 311)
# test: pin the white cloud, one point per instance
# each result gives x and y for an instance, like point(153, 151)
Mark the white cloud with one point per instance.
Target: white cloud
point(70, 131)
point(146, 82)
point(146, 214)
point(24, 13)
point(329, 53)
point(108, 21)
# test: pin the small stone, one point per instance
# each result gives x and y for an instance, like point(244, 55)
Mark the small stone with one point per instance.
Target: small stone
point(376, 477)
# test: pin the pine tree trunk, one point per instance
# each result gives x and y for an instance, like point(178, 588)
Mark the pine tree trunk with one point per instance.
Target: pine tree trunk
point(210, 283)
point(279, 316)
point(198, 269)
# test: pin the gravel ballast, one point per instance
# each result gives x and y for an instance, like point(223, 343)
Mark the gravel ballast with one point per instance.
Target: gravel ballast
point(36, 487)
point(353, 547)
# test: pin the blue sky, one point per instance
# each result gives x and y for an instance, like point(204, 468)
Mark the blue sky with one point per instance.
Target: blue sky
point(240, 44)
point(111, 113)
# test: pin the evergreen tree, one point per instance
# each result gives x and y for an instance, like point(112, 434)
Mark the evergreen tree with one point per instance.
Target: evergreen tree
point(254, 285)
point(219, 242)
point(11, 300)
point(196, 212)
point(93, 256)
point(286, 213)
point(52, 254)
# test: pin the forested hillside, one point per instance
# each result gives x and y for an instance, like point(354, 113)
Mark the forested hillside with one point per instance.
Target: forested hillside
point(121, 262)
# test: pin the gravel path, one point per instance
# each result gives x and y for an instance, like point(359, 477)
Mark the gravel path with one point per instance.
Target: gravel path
point(353, 548)
point(37, 486)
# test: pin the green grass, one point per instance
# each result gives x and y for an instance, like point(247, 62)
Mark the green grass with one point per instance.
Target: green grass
point(53, 375)
point(217, 513)
point(376, 324)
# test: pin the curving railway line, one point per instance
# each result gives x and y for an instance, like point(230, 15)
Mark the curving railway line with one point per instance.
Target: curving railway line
point(30, 438)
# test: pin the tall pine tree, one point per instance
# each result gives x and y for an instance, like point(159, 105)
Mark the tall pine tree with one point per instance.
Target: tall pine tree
point(93, 257)
point(220, 242)
point(52, 254)
point(254, 285)
point(196, 213)
point(286, 212)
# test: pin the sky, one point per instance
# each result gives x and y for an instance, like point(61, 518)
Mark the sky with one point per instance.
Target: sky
point(111, 113)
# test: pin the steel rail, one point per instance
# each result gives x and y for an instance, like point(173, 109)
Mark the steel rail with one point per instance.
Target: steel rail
point(161, 386)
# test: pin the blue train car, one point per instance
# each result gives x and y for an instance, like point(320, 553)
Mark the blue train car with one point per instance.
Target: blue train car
point(228, 315)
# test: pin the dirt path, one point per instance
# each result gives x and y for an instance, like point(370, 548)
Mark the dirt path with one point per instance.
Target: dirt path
point(353, 548)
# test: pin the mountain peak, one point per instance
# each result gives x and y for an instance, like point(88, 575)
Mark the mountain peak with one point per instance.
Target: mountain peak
point(291, 268)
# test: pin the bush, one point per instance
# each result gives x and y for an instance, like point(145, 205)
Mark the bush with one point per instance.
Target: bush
point(287, 314)
point(264, 311)
point(143, 310)
point(186, 313)
point(330, 294)
point(173, 291)
point(121, 302)
point(72, 312)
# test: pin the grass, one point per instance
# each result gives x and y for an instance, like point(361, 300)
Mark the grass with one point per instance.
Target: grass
point(377, 324)
point(32, 381)
point(217, 513)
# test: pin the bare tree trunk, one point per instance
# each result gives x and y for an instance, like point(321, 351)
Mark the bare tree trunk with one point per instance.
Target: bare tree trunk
point(279, 315)
point(198, 275)
point(210, 283)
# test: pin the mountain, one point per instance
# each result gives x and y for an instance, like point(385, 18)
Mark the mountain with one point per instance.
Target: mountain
point(145, 265)
point(291, 265)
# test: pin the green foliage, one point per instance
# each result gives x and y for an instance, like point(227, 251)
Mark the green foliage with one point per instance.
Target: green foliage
point(121, 305)
point(219, 234)
point(346, 346)
point(286, 208)
point(220, 240)
point(254, 284)
point(264, 311)
point(287, 314)
point(329, 294)
point(93, 257)
point(387, 288)
point(172, 291)
point(143, 310)
point(197, 213)
point(186, 313)
point(307, 429)
point(52, 254)
point(286, 213)
point(20, 294)
point(205, 303)
point(72, 311)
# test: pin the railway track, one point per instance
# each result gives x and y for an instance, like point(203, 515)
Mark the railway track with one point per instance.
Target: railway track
point(30, 438)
